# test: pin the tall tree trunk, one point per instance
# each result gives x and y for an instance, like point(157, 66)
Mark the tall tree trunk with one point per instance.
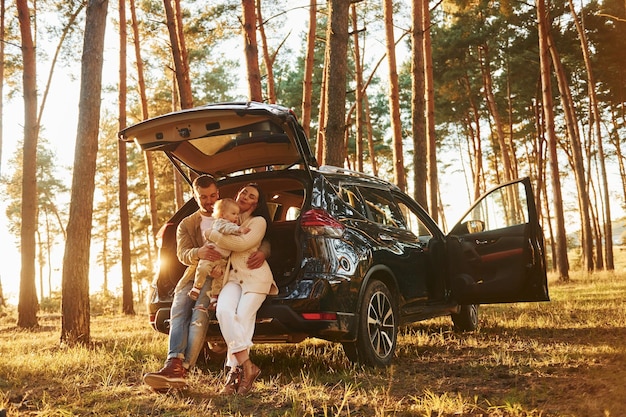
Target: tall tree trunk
point(255, 92)
point(431, 141)
point(127, 279)
point(346, 140)
point(593, 101)
point(476, 143)
point(148, 159)
point(179, 53)
point(268, 59)
point(417, 104)
point(539, 158)
point(541, 188)
point(179, 198)
point(105, 246)
point(319, 148)
point(2, 14)
point(75, 284)
point(615, 140)
point(544, 57)
point(577, 154)
point(370, 136)
point(309, 62)
point(485, 67)
point(358, 69)
point(551, 237)
point(333, 126)
point(27, 305)
point(368, 122)
point(394, 98)
point(40, 260)
point(511, 126)
point(178, 190)
point(3, 302)
point(596, 214)
point(49, 255)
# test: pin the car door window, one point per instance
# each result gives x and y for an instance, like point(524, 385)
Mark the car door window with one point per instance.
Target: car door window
point(414, 223)
point(505, 207)
point(381, 207)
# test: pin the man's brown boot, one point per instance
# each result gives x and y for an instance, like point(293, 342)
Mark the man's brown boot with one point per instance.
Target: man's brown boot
point(250, 374)
point(172, 375)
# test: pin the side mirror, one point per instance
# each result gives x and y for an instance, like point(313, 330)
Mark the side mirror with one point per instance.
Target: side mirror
point(475, 226)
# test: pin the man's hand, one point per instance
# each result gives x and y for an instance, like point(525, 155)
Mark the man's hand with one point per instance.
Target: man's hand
point(256, 260)
point(209, 253)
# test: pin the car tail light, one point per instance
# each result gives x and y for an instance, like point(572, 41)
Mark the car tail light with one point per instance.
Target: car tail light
point(319, 316)
point(318, 222)
point(152, 321)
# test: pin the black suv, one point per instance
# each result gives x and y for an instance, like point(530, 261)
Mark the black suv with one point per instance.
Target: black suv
point(353, 256)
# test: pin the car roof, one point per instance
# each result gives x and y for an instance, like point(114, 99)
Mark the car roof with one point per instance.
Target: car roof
point(343, 175)
point(223, 138)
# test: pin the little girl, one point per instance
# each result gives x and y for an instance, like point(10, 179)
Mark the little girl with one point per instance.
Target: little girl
point(226, 214)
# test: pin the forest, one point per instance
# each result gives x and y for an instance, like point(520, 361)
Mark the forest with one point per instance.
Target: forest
point(428, 95)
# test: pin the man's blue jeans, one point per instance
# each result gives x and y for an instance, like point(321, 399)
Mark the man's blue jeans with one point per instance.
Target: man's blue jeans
point(188, 324)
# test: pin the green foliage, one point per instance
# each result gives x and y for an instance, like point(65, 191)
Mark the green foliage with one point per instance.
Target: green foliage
point(104, 303)
point(51, 304)
point(52, 194)
point(503, 40)
point(50, 189)
point(605, 23)
point(101, 303)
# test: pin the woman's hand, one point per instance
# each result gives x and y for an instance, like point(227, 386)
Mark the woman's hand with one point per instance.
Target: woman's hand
point(217, 272)
point(209, 253)
point(256, 260)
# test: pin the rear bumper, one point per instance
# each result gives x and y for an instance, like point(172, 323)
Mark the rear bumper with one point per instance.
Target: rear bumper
point(278, 324)
point(311, 308)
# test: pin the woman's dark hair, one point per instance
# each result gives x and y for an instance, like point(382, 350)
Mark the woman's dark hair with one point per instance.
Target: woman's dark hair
point(261, 206)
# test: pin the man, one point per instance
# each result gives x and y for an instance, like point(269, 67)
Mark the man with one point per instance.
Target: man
point(189, 318)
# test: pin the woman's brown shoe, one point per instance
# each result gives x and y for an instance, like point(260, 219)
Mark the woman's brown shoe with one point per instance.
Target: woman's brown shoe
point(232, 381)
point(250, 374)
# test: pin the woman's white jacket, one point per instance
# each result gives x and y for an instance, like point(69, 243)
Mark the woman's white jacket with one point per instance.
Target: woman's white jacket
point(258, 280)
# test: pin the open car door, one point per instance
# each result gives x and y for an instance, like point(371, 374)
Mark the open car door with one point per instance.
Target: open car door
point(497, 249)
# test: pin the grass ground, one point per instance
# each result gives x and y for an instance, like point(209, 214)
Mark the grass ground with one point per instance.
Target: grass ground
point(562, 358)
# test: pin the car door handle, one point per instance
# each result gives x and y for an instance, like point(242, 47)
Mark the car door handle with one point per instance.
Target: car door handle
point(484, 242)
point(385, 237)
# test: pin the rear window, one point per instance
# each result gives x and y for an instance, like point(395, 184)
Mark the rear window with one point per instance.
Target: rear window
point(351, 196)
point(225, 140)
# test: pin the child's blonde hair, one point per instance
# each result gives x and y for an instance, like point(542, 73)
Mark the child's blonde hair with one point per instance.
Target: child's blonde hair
point(223, 204)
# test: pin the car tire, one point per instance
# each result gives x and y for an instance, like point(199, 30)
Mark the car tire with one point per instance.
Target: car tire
point(377, 332)
point(349, 348)
point(466, 320)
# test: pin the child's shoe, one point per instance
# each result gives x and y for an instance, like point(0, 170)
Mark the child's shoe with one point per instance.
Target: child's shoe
point(194, 293)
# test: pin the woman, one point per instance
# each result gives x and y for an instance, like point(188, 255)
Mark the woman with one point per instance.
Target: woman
point(244, 289)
